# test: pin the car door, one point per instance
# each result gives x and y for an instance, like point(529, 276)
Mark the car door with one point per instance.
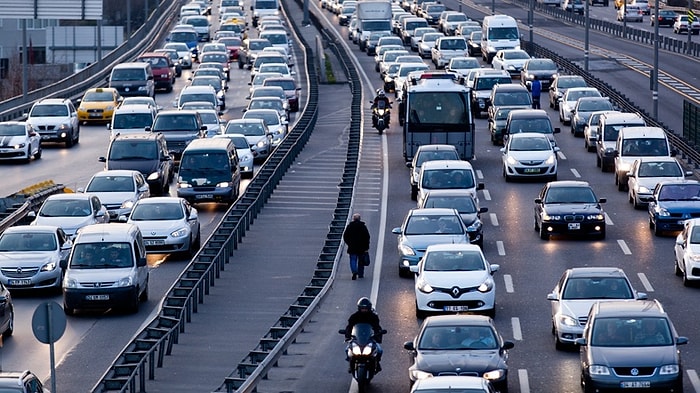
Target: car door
point(632, 180)
point(73, 119)
point(166, 161)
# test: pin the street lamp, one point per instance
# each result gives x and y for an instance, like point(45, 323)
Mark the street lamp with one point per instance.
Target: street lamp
point(586, 39)
point(655, 70)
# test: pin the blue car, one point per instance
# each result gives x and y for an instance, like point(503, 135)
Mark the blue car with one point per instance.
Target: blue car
point(672, 203)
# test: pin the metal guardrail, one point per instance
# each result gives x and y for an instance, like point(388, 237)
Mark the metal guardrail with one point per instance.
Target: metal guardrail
point(31, 202)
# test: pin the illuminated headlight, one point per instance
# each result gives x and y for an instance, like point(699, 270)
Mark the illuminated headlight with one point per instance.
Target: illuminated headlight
point(418, 374)
point(127, 204)
point(406, 250)
point(18, 146)
point(64, 126)
point(551, 160)
point(184, 185)
point(568, 321)
point(261, 144)
point(154, 176)
point(474, 227)
point(596, 217)
point(547, 217)
point(663, 212)
point(180, 232)
point(69, 282)
point(247, 157)
point(495, 375)
point(388, 78)
point(643, 190)
point(223, 184)
point(125, 282)
point(423, 286)
point(668, 369)
point(511, 161)
point(49, 266)
point(529, 76)
point(595, 369)
point(486, 286)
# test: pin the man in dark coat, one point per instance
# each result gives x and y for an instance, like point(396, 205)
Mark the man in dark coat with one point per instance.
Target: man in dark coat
point(356, 237)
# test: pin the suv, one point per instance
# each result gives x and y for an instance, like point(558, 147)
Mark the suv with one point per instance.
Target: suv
point(481, 87)
point(609, 126)
point(56, 120)
point(630, 345)
point(180, 127)
point(250, 47)
point(21, 382)
point(146, 153)
point(446, 48)
point(131, 119)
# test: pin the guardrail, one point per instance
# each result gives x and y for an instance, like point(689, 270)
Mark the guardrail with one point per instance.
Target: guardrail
point(32, 198)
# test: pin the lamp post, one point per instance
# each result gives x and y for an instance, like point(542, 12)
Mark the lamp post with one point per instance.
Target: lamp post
point(655, 71)
point(530, 18)
point(493, 7)
point(586, 38)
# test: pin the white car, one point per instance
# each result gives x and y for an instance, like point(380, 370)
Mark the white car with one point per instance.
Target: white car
point(402, 74)
point(211, 118)
point(118, 190)
point(256, 132)
point(168, 225)
point(568, 101)
point(529, 155)
point(70, 211)
point(273, 121)
point(646, 173)
point(687, 252)
point(426, 44)
point(453, 383)
point(511, 60)
point(275, 103)
point(454, 278)
point(245, 155)
point(18, 141)
point(183, 51)
point(30, 256)
point(577, 290)
point(462, 65)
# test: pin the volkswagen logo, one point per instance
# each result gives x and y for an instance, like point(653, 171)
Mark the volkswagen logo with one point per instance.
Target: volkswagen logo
point(455, 291)
point(634, 371)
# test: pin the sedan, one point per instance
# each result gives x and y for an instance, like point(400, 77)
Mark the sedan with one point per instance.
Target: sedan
point(511, 60)
point(18, 141)
point(462, 65)
point(630, 13)
point(569, 207)
point(466, 205)
point(269, 103)
point(460, 345)
point(568, 101)
point(245, 155)
point(663, 18)
point(454, 278)
point(529, 155)
point(70, 211)
point(577, 290)
point(168, 225)
point(423, 227)
point(257, 134)
point(118, 190)
point(583, 109)
point(560, 85)
point(687, 252)
point(30, 256)
point(275, 124)
point(673, 202)
point(646, 173)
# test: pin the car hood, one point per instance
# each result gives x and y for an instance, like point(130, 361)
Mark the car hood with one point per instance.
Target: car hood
point(680, 206)
point(525, 156)
point(25, 258)
point(421, 242)
point(652, 356)
point(651, 182)
point(609, 145)
point(146, 167)
point(7, 141)
point(98, 275)
point(68, 224)
point(572, 208)
point(51, 120)
point(161, 227)
point(448, 279)
point(580, 307)
point(515, 63)
point(114, 198)
point(468, 218)
point(479, 360)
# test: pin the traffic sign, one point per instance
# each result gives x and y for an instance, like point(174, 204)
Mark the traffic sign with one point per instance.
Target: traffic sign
point(691, 18)
point(48, 322)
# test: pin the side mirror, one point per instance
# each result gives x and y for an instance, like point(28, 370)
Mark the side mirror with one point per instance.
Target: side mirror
point(141, 262)
point(602, 200)
point(102, 159)
point(557, 130)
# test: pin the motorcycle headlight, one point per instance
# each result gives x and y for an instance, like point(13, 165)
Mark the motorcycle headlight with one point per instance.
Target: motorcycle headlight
point(367, 350)
point(355, 349)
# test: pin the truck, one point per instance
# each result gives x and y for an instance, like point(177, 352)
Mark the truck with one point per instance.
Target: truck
point(498, 32)
point(436, 110)
point(372, 16)
point(262, 8)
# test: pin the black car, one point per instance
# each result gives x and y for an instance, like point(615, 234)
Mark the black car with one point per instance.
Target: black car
point(460, 345)
point(7, 312)
point(569, 207)
point(180, 127)
point(664, 18)
point(474, 43)
point(630, 345)
point(543, 69)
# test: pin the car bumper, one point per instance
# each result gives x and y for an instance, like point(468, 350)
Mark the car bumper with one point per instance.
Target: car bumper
point(97, 116)
point(531, 171)
point(669, 223)
point(98, 298)
point(38, 281)
point(442, 302)
point(14, 154)
point(565, 228)
point(54, 136)
point(655, 383)
point(219, 194)
point(568, 334)
point(166, 244)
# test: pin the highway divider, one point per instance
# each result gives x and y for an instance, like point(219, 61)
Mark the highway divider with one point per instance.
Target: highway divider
point(14, 208)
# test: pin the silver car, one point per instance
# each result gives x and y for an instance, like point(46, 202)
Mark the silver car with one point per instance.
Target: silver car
point(245, 155)
point(30, 256)
point(276, 125)
point(168, 225)
point(256, 132)
point(71, 212)
point(118, 190)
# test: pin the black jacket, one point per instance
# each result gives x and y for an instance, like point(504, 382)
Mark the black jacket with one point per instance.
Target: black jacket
point(356, 236)
point(369, 317)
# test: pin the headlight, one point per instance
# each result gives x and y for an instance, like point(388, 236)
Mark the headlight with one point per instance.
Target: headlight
point(261, 144)
point(406, 250)
point(595, 217)
point(662, 212)
point(595, 369)
point(81, 109)
point(223, 184)
point(511, 67)
point(70, 282)
point(486, 286)
point(668, 369)
point(49, 266)
point(643, 190)
point(127, 204)
point(180, 232)
point(246, 157)
point(154, 176)
point(64, 126)
point(19, 146)
point(494, 375)
point(567, 320)
point(551, 160)
point(418, 374)
point(547, 217)
point(423, 286)
point(511, 161)
point(184, 185)
point(694, 257)
point(125, 282)
point(474, 227)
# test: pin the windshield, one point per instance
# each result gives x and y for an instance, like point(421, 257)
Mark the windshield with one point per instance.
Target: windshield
point(463, 204)
point(65, 208)
point(176, 122)
point(465, 63)
point(597, 288)
point(542, 126)
point(453, 261)
point(47, 110)
point(157, 212)
point(447, 178)
point(487, 83)
point(541, 65)
point(132, 121)
point(128, 74)
point(111, 184)
point(458, 338)
point(133, 150)
point(265, 5)
point(249, 129)
point(97, 96)
point(12, 129)
point(631, 332)
point(530, 144)
point(27, 242)
point(205, 168)
point(503, 33)
point(517, 98)
point(425, 156)
point(570, 195)
point(438, 108)
point(573, 95)
point(679, 192)
point(659, 169)
point(434, 225)
point(457, 44)
point(644, 147)
point(101, 255)
point(184, 36)
point(516, 55)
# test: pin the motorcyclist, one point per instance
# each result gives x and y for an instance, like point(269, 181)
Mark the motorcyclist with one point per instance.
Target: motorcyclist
point(381, 96)
point(365, 314)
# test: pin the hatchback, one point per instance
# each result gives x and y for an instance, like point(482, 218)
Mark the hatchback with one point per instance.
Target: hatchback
point(70, 211)
point(118, 190)
point(529, 155)
point(19, 141)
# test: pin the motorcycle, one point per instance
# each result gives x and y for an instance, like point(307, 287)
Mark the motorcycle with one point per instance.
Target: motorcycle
point(381, 115)
point(361, 352)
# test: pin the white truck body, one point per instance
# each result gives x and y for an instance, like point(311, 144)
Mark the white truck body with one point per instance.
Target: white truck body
point(498, 32)
point(372, 16)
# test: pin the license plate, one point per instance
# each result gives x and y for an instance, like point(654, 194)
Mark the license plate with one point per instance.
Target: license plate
point(96, 297)
point(204, 196)
point(95, 115)
point(455, 308)
point(154, 242)
point(19, 282)
point(45, 137)
point(635, 384)
point(574, 226)
point(532, 170)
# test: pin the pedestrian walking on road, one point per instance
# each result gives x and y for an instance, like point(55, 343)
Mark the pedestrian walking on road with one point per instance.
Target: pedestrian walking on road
point(356, 237)
point(536, 89)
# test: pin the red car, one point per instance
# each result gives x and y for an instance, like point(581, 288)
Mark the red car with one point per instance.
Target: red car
point(232, 46)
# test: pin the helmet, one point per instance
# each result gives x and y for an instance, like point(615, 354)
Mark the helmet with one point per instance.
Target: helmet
point(364, 304)
point(380, 93)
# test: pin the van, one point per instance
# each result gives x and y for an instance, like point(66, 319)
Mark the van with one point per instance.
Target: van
point(447, 175)
point(635, 142)
point(131, 119)
point(609, 126)
point(133, 79)
point(209, 171)
point(106, 269)
point(498, 32)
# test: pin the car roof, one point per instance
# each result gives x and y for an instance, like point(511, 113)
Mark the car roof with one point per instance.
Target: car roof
point(568, 183)
point(677, 182)
point(454, 247)
point(115, 172)
point(458, 319)
point(31, 229)
point(510, 87)
point(436, 147)
point(448, 382)
point(450, 192)
point(528, 135)
point(70, 196)
point(528, 113)
point(446, 164)
point(619, 308)
point(596, 272)
point(431, 211)
point(137, 135)
point(159, 199)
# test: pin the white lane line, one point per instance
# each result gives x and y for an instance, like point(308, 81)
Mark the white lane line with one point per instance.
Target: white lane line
point(623, 245)
point(561, 155)
point(608, 220)
point(575, 172)
point(645, 282)
point(508, 279)
point(501, 248)
point(494, 219)
point(487, 195)
point(524, 381)
point(517, 333)
point(694, 380)
point(479, 174)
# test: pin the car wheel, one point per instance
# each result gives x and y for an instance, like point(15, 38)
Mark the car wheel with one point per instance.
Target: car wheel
point(69, 141)
point(677, 269)
point(420, 314)
point(404, 272)
point(67, 310)
point(543, 234)
point(414, 193)
point(657, 231)
point(144, 295)
point(38, 153)
point(686, 282)
point(165, 190)
point(536, 226)
point(558, 345)
point(10, 325)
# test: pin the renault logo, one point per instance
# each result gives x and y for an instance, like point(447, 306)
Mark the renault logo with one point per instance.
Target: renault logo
point(455, 291)
point(19, 270)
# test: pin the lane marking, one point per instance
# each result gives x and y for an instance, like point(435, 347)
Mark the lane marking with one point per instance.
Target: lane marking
point(524, 381)
point(575, 172)
point(487, 195)
point(517, 333)
point(479, 174)
point(561, 155)
point(645, 282)
point(494, 219)
point(608, 220)
point(501, 248)
point(623, 245)
point(694, 380)
point(508, 279)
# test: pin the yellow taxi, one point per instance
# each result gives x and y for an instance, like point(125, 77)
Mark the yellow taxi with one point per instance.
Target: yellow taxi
point(620, 3)
point(98, 104)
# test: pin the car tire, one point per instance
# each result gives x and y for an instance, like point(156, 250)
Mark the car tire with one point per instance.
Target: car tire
point(543, 234)
point(38, 153)
point(144, 295)
point(686, 282)
point(419, 313)
point(67, 310)
point(10, 325)
point(414, 193)
point(657, 231)
point(676, 269)
point(69, 141)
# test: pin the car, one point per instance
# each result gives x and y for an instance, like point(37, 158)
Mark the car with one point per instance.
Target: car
point(212, 47)
point(269, 103)
point(163, 69)
point(445, 175)
point(98, 104)
point(202, 91)
point(232, 45)
point(426, 44)
point(680, 25)
point(465, 29)
point(590, 130)
point(269, 92)
point(583, 109)
point(249, 51)
point(474, 43)
point(180, 127)
point(277, 126)
point(290, 87)
point(21, 382)
point(345, 14)
point(220, 58)
point(543, 69)
point(509, 95)
point(460, 345)
point(431, 12)
point(498, 119)
point(577, 6)
point(211, 118)
point(671, 203)
point(420, 229)
point(168, 224)
point(630, 345)
point(560, 84)
point(424, 154)
point(530, 120)
point(183, 51)
point(371, 42)
point(118, 190)
point(647, 172)
point(462, 65)
point(446, 48)
point(454, 278)
point(280, 68)
point(448, 21)
point(19, 141)
point(576, 291)
point(630, 13)
point(175, 59)
point(380, 50)
point(418, 34)
point(245, 155)
point(260, 77)
point(402, 75)
point(256, 132)
point(529, 155)
point(466, 205)
point(141, 100)
point(569, 207)
point(568, 101)
point(480, 83)
point(643, 5)
point(70, 212)
point(387, 58)
point(269, 57)
point(687, 252)
point(663, 18)
point(55, 120)
point(220, 87)
point(452, 383)
point(30, 257)
point(511, 60)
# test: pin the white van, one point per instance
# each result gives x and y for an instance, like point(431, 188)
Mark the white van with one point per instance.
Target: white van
point(106, 269)
point(609, 126)
point(635, 142)
point(498, 32)
point(446, 175)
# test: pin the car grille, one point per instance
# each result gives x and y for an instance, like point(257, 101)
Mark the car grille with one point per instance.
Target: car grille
point(98, 284)
point(463, 373)
point(573, 218)
point(583, 320)
point(177, 146)
point(45, 128)
point(14, 153)
point(681, 215)
point(634, 371)
point(532, 163)
point(95, 111)
point(16, 272)
point(455, 292)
